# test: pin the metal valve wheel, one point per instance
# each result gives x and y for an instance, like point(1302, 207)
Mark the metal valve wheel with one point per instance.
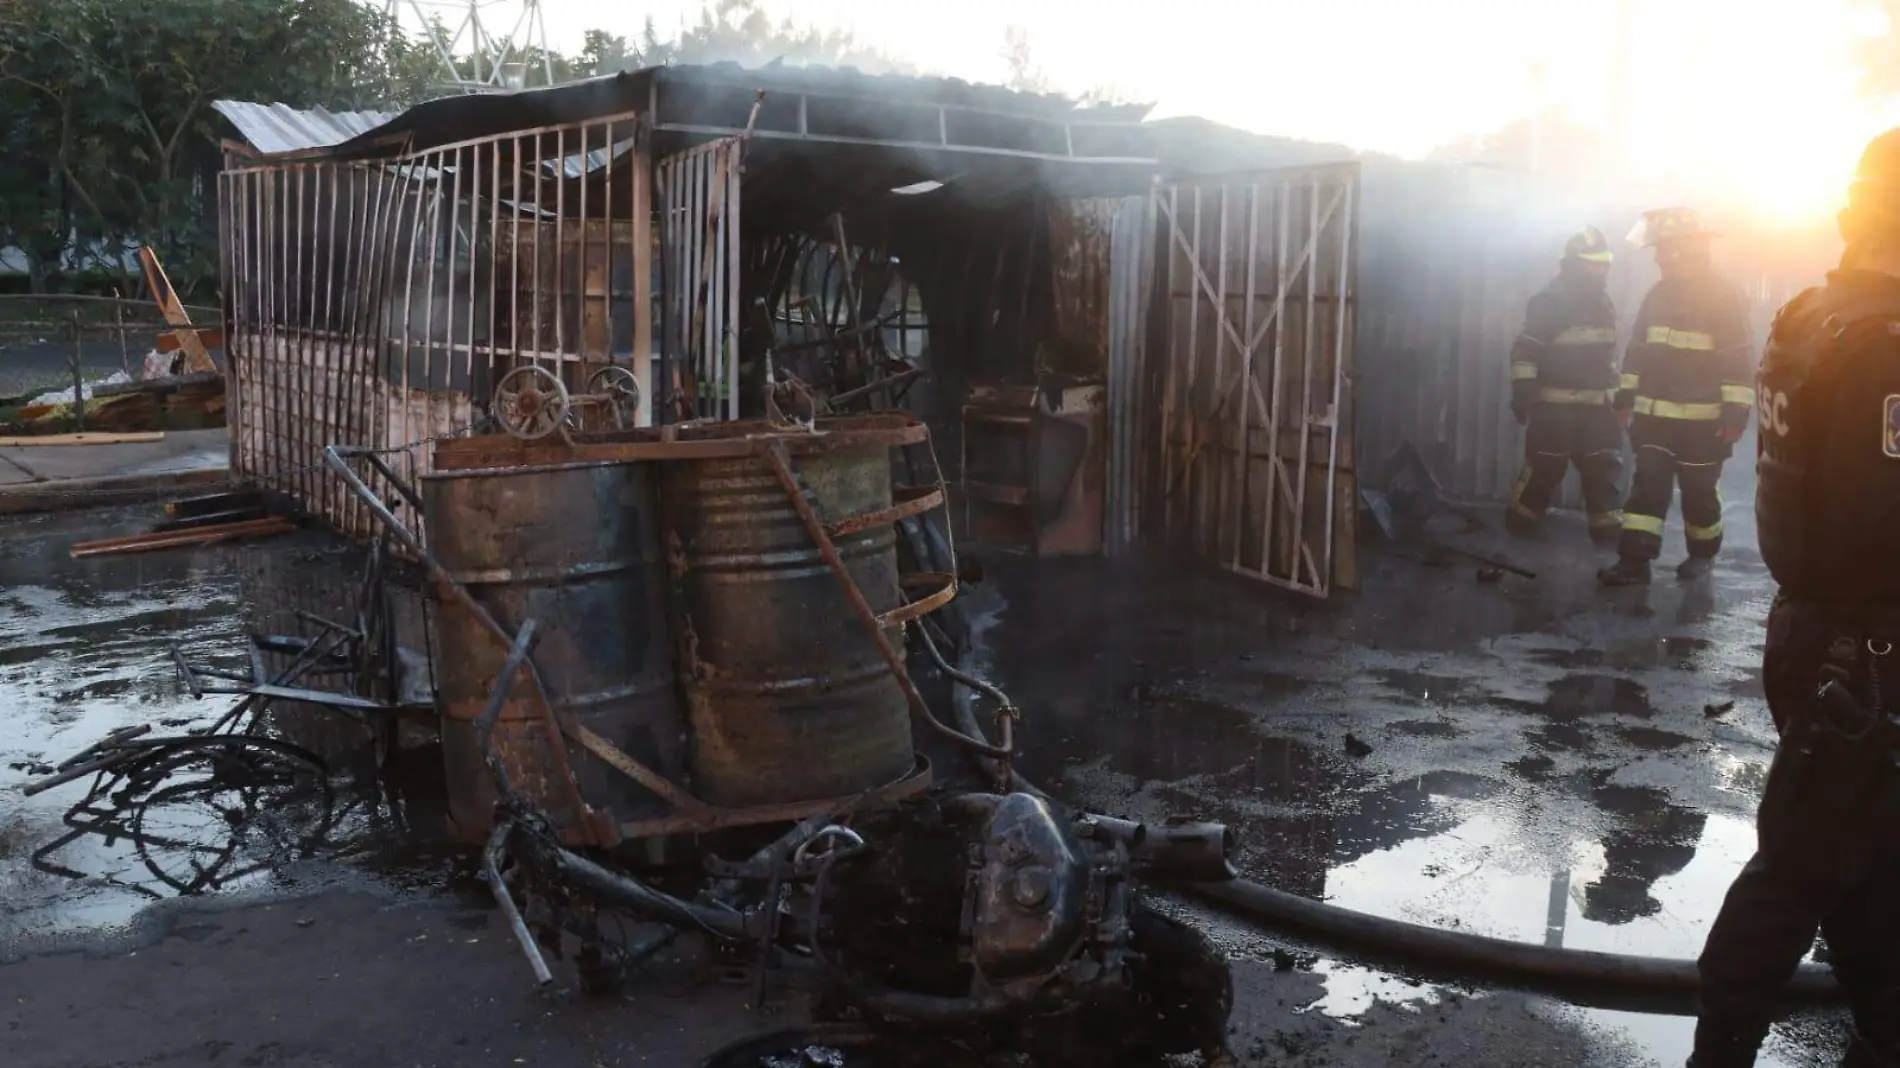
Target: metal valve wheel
point(620, 387)
point(531, 403)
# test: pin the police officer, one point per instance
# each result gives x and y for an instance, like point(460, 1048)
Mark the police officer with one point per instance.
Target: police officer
point(1563, 378)
point(1827, 508)
point(1687, 388)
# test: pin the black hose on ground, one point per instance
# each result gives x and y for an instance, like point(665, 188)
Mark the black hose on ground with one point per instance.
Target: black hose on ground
point(1581, 977)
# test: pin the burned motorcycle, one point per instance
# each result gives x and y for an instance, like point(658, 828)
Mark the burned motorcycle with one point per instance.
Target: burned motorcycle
point(991, 920)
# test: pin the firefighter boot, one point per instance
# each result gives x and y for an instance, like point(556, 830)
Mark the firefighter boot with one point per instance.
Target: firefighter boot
point(1694, 568)
point(1519, 525)
point(1627, 571)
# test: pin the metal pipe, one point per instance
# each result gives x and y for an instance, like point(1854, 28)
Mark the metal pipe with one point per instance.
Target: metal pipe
point(334, 456)
point(643, 900)
point(491, 870)
point(524, 641)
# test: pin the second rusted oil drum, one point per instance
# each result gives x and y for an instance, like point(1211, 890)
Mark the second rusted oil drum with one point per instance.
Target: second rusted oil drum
point(787, 694)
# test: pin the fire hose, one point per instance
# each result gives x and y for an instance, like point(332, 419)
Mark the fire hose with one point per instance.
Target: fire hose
point(1582, 977)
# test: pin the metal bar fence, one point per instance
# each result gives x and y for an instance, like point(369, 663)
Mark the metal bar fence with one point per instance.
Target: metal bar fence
point(376, 304)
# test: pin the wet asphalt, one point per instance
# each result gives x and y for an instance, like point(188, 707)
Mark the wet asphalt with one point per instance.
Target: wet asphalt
point(1544, 765)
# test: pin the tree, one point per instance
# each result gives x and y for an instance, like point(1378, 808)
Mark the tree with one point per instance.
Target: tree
point(738, 31)
point(1024, 75)
point(110, 118)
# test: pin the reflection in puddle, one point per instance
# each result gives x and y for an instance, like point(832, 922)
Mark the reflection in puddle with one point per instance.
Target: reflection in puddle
point(1486, 876)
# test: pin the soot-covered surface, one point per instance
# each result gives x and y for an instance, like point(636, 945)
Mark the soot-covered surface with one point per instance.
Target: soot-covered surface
point(1541, 768)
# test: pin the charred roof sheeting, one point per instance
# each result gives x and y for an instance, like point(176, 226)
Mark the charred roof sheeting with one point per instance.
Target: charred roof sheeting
point(690, 104)
point(793, 185)
point(277, 128)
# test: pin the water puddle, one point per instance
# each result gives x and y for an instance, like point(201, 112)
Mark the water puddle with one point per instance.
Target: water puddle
point(85, 649)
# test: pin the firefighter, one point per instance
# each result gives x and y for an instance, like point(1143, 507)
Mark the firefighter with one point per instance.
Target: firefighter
point(1687, 390)
point(1826, 506)
point(1563, 379)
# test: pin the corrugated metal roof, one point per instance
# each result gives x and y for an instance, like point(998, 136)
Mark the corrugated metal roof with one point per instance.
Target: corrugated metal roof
point(272, 128)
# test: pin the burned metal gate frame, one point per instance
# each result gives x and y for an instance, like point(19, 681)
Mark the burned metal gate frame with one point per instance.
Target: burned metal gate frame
point(700, 260)
point(375, 302)
point(1207, 477)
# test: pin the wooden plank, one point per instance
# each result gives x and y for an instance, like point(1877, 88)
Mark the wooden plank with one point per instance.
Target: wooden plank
point(174, 340)
point(196, 358)
point(82, 438)
point(150, 541)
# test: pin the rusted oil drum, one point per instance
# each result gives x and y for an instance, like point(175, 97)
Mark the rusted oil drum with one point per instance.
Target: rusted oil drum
point(787, 695)
point(576, 547)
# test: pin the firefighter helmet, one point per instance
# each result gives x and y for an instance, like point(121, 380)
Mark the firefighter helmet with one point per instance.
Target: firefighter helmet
point(1668, 224)
point(1873, 200)
point(1588, 244)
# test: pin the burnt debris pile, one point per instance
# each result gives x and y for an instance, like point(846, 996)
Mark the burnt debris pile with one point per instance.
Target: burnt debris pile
point(671, 682)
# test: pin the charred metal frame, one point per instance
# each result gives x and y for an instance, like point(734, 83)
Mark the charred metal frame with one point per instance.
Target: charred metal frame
point(375, 303)
point(1257, 469)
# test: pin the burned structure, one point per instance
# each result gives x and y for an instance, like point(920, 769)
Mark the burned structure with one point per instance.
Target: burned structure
point(1107, 356)
point(645, 372)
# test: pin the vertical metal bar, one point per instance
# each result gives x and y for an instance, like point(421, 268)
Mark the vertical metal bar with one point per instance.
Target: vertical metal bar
point(474, 266)
point(347, 325)
point(714, 267)
point(1172, 359)
point(734, 244)
point(1276, 469)
point(332, 345)
point(399, 188)
point(426, 403)
point(316, 326)
point(252, 446)
point(1191, 384)
point(452, 263)
point(1216, 508)
point(534, 292)
point(302, 299)
point(1342, 349)
point(1245, 384)
point(412, 243)
point(514, 262)
point(694, 236)
point(608, 232)
point(580, 270)
point(641, 230)
point(1306, 383)
point(231, 230)
point(561, 345)
point(300, 367)
point(285, 293)
point(78, 365)
point(491, 356)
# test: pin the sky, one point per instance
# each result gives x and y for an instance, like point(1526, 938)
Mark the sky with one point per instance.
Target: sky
point(1755, 98)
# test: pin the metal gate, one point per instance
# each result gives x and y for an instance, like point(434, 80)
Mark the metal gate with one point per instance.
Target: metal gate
point(699, 255)
point(1257, 470)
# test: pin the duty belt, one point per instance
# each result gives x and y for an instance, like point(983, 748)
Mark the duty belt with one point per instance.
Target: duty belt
point(1574, 396)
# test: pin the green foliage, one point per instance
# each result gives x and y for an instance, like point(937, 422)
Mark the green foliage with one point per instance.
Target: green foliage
point(109, 133)
point(738, 31)
point(108, 139)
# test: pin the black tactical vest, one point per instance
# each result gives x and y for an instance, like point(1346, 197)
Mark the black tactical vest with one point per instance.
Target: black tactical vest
point(1827, 502)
